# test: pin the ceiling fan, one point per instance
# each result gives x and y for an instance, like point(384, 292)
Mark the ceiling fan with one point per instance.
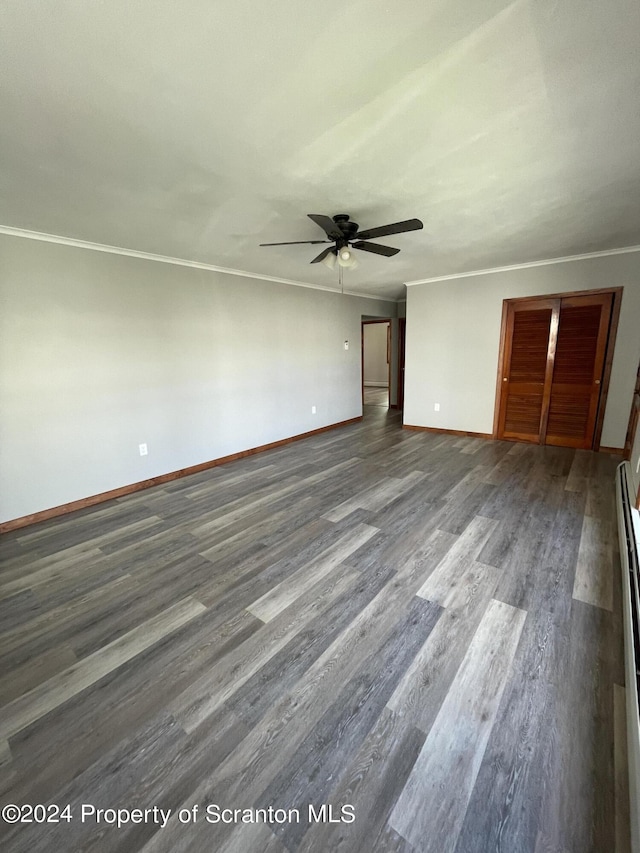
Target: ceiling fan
point(345, 236)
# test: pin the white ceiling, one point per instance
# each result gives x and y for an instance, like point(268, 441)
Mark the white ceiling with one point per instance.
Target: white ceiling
point(200, 128)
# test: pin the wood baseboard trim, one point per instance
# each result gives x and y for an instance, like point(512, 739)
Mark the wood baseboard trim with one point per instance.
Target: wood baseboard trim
point(459, 432)
point(615, 451)
point(83, 503)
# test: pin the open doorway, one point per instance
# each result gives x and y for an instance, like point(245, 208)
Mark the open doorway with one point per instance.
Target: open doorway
point(376, 362)
point(402, 336)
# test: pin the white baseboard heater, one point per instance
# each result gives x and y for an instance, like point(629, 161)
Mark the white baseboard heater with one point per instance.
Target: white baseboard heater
point(629, 533)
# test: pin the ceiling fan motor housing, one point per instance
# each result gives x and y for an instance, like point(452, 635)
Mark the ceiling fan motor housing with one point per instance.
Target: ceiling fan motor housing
point(349, 229)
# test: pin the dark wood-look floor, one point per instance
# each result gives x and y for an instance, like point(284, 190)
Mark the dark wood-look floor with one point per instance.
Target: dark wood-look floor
point(424, 627)
point(376, 396)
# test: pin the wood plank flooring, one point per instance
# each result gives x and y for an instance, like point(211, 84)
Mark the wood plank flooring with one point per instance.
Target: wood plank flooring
point(376, 396)
point(416, 635)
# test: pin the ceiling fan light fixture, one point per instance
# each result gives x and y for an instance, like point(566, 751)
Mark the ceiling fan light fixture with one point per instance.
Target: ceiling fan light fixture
point(330, 260)
point(346, 258)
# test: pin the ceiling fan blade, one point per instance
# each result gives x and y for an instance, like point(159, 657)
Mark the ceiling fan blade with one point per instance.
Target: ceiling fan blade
point(394, 228)
point(387, 251)
point(323, 255)
point(296, 243)
point(327, 224)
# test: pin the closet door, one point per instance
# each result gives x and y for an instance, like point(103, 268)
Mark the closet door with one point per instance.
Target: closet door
point(528, 363)
point(577, 372)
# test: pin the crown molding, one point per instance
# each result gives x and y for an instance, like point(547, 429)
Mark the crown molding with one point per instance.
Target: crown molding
point(543, 263)
point(183, 262)
point(166, 259)
point(362, 295)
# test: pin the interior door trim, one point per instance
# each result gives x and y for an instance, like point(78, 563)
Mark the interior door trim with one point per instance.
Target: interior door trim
point(616, 293)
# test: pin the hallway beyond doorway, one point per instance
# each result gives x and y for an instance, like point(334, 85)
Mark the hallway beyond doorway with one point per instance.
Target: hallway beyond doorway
point(374, 395)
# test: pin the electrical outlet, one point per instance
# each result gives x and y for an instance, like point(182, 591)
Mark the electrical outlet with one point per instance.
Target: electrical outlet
point(346, 344)
point(436, 407)
point(313, 410)
point(143, 449)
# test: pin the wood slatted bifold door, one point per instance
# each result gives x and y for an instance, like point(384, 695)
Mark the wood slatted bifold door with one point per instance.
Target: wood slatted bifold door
point(526, 359)
point(577, 370)
point(554, 355)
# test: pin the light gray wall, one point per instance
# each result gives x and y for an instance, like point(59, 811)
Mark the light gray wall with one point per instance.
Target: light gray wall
point(101, 352)
point(376, 367)
point(453, 338)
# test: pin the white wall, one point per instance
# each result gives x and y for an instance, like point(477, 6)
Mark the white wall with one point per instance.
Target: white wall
point(100, 352)
point(453, 338)
point(376, 367)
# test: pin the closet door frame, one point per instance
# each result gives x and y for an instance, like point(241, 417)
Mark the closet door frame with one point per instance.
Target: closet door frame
point(616, 293)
